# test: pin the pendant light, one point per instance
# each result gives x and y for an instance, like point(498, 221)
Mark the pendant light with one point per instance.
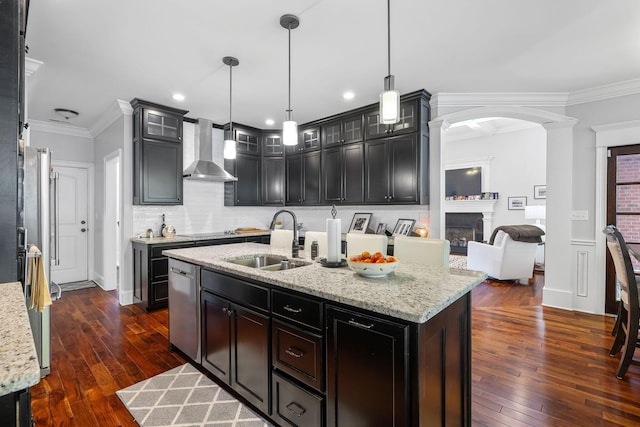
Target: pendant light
point(229, 142)
point(289, 126)
point(389, 98)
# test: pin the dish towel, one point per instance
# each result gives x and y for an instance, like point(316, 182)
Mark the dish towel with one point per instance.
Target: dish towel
point(281, 239)
point(40, 296)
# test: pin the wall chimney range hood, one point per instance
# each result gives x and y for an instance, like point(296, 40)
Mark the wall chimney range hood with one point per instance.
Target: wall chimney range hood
point(203, 168)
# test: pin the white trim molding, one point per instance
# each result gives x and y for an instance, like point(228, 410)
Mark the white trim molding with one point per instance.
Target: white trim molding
point(31, 66)
point(513, 99)
point(59, 128)
point(116, 110)
point(613, 90)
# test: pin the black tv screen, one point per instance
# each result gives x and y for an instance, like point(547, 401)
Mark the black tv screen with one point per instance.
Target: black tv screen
point(463, 182)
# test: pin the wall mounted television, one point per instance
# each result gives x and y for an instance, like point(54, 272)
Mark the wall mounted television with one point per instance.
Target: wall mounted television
point(463, 182)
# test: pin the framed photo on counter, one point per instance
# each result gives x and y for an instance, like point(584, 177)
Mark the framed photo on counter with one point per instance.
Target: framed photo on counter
point(360, 223)
point(382, 228)
point(403, 227)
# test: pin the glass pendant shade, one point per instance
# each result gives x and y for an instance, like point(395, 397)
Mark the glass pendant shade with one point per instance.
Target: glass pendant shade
point(289, 132)
point(390, 107)
point(229, 149)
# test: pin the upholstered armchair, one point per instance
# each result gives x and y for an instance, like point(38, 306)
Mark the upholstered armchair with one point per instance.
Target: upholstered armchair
point(505, 259)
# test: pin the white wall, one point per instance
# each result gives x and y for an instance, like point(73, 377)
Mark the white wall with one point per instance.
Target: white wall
point(66, 142)
point(517, 163)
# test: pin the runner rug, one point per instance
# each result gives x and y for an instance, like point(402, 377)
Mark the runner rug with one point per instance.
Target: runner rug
point(183, 396)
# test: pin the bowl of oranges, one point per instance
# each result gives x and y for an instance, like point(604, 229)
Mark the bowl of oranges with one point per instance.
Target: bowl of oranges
point(372, 265)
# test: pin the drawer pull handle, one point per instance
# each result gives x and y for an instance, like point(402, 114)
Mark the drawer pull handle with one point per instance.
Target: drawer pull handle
point(292, 351)
point(361, 325)
point(291, 309)
point(296, 409)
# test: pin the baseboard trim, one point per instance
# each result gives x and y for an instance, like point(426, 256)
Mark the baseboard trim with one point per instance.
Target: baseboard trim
point(125, 297)
point(557, 298)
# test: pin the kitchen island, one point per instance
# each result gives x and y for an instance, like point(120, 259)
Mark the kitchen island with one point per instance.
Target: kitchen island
point(322, 346)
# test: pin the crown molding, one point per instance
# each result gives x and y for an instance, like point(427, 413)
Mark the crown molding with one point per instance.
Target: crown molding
point(116, 110)
point(31, 66)
point(530, 99)
point(613, 90)
point(59, 128)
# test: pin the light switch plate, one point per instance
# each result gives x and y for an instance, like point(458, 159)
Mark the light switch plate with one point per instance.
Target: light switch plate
point(580, 215)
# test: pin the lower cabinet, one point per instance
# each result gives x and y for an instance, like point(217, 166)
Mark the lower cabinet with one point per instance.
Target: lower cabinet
point(295, 406)
point(367, 370)
point(235, 339)
point(151, 274)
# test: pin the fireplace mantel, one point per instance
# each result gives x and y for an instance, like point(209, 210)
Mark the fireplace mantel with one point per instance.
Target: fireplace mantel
point(486, 207)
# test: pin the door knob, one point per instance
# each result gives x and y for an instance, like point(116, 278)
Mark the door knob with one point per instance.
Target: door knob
point(83, 222)
point(83, 229)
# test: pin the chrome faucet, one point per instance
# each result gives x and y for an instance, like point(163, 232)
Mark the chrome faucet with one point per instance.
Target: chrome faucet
point(295, 244)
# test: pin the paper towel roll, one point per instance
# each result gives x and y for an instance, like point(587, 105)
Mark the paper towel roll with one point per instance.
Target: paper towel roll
point(334, 240)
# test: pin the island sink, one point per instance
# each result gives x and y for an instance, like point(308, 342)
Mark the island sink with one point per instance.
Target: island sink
point(267, 262)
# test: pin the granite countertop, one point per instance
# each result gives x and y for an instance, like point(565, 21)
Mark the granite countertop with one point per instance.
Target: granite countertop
point(205, 236)
point(413, 292)
point(19, 367)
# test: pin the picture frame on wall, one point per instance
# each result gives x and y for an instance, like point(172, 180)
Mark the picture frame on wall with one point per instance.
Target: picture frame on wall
point(382, 228)
point(403, 227)
point(360, 223)
point(539, 191)
point(517, 203)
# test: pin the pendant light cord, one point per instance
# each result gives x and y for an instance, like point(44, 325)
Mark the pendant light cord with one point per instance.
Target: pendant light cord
point(230, 101)
point(289, 108)
point(389, 37)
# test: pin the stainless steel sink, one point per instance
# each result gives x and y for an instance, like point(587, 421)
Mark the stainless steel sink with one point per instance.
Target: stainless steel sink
point(267, 262)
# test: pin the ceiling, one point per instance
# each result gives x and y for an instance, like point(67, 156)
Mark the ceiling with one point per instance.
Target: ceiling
point(95, 52)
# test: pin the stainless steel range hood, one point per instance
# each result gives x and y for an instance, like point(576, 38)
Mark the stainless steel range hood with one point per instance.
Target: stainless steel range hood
point(203, 168)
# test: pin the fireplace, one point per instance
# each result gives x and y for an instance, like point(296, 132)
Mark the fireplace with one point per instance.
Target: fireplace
point(461, 228)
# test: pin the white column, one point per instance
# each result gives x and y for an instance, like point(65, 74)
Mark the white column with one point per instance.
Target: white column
point(558, 289)
point(436, 180)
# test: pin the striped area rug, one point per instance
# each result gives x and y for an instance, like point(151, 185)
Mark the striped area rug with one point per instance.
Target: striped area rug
point(74, 286)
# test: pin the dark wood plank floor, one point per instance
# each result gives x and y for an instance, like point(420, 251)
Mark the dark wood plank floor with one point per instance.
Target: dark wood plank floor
point(532, 365)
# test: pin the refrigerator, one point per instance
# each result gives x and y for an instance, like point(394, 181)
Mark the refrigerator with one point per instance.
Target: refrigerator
point(38, 225)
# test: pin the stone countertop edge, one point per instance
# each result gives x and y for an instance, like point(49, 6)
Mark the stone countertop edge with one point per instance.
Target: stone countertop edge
point(415, 293)
point(179, 239)
point(19, 367)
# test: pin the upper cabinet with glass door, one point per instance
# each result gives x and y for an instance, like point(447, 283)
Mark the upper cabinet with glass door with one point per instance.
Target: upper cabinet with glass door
point(160, 122)
point(409, 121)
point(342, 131)
point(308, 140)
point(272, 143)
point(247, 140)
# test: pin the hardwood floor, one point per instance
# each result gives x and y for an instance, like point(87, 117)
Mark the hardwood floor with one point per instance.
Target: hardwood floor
point(532, 365)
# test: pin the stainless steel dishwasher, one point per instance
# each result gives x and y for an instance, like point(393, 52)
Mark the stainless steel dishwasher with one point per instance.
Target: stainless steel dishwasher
point(184, 308)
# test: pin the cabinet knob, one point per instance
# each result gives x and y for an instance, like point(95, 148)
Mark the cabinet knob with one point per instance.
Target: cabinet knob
point(386, 197)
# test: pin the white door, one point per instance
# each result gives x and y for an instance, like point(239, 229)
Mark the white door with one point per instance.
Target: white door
point(73, 225)
point(111, 253)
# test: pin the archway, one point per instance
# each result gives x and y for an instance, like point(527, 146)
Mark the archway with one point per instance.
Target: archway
point(558, 290)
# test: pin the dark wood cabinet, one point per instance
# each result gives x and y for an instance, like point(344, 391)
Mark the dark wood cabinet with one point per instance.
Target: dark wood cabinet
point(344, 130)
point(308, 140)
point(273, 185)
point(409, 121)
point(235, 338)
point(157, 154)
point(303, 178)
point(272, 144)
point(247, 190)
point(343, 174)
point(247, 140)
point(151, 274)
point(367, 370)
point(392, 170)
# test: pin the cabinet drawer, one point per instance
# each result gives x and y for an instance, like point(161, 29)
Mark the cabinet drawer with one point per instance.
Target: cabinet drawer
point(160, 290)
point(159, 269)
point(248, 294)
point(299, 309)
point(293, 406)
point(298, 353)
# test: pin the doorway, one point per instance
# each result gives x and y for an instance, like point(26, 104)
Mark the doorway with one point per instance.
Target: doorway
point(73, 222)
point(623, 209)
point(112, 208)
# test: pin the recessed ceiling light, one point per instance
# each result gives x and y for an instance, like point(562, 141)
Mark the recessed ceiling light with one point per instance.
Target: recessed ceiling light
point(178, 97)
point(348, 95)
point(269, 122)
